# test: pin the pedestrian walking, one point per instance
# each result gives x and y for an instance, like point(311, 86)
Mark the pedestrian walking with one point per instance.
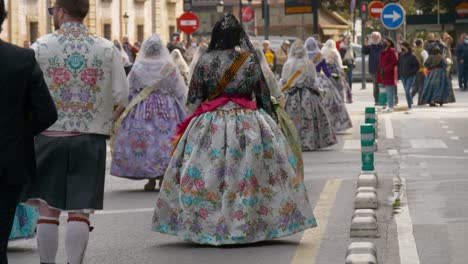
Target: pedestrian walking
point(26, 109)
point(157, 98)
point(332, 99)
point(348, 56)
point(86, 79)
point(459, 53)
point(304, 100)
point(269, 55)
point(282, 56)
point(335, 65)
point(373, 47)
point(181, 64)
point(222, 184)
point(408, 68)
point(437, 89)
point(131, 50)
point(422, 55)
point(388, 71)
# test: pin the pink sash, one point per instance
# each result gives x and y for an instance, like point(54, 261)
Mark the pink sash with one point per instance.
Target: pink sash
point(211, 106)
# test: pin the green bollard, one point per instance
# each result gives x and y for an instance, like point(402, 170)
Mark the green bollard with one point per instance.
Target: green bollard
point(370, 117)
point(382, 95)
point(367, 147)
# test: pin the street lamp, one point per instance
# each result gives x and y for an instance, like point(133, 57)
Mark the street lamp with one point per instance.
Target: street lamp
point(126, 17)
point(220, 7)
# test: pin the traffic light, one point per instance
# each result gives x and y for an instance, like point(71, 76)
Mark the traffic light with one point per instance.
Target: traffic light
point(364, 10)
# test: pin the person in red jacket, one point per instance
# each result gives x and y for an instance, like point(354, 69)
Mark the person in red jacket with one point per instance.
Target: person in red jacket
point(387, 73)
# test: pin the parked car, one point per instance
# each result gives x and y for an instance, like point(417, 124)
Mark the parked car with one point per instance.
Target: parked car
point(275, 41)
point(357, 71)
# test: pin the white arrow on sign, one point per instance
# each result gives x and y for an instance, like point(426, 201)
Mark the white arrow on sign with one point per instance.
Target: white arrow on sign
point(395, 16)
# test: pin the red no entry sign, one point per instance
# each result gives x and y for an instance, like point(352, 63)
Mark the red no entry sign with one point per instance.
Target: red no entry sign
point(375, 9)
point(188, 22)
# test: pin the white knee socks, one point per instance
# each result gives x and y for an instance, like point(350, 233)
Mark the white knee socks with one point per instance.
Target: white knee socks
point(76, 239)
point(47, 238)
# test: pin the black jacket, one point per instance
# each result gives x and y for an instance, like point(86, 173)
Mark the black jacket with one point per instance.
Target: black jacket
point(373, 51)
point(408, 65)
point(26, 109)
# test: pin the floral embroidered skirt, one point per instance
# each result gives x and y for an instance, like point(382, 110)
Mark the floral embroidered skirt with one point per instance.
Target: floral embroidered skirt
point(24, 225)
point(305, 108)
point(233, 179)
point(143, 143)
point(437, 88)
point(334, 103)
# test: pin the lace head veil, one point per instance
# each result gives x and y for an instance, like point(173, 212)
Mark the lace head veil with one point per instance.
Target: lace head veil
point(147, 69)
point(298, 59)
point(331, 54)
point(312, 49)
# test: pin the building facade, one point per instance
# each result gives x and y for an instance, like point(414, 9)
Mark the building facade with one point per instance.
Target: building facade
point(112, 19)
point(331, 24)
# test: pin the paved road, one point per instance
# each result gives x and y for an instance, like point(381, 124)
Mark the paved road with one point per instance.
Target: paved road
point(428, 148)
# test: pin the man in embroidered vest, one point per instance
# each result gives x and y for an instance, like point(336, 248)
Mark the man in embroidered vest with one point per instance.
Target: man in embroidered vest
point(86, 79)
point(26, 109)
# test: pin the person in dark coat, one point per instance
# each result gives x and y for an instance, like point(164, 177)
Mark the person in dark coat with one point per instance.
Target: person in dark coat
point(463, 59)
point(388, 71)
point(408, 68)
point(26, 109)
point(458, 54)
point(373, 48)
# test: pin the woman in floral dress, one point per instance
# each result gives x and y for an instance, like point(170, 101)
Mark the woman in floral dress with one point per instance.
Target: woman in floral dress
point(335, 65)
point(437, 85)
point(142, 144)
point(233, 178)
point(332, 100)
point(181, 64)
point(304, 100)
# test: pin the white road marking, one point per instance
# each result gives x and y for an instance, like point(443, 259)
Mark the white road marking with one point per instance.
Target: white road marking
point(309, 246)
point(124, 211)
point(352, 144)
point(454, 138)
point(406, 242)
point(389, 129)
point(427, 144)
point(449, 132)
point(465, 151)
point(393, 152)
point(442, 121)
point(434, 157)
point(445, 127)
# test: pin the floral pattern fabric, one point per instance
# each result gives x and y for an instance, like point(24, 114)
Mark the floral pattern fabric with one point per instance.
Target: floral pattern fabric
point(233, 177)
point(334, 103)
point(143, 144)
point(305, 107)
point(24, 225)
point(437, 88)
point(85, 77)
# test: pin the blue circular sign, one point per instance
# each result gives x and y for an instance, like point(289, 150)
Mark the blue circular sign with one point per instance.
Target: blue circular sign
point(393, 16)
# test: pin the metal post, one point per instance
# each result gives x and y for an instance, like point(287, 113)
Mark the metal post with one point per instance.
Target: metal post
point(240, 14)
point(316, 27)
point(48, 22)
point(266, 20)
point(153, 16)
point(363, 66)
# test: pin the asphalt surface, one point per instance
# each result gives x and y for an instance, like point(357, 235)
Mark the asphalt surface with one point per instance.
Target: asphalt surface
point(428, 148)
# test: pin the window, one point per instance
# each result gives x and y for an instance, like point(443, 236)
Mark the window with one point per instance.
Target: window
point(140, 33)
point(33, 31)
point(107, 31)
